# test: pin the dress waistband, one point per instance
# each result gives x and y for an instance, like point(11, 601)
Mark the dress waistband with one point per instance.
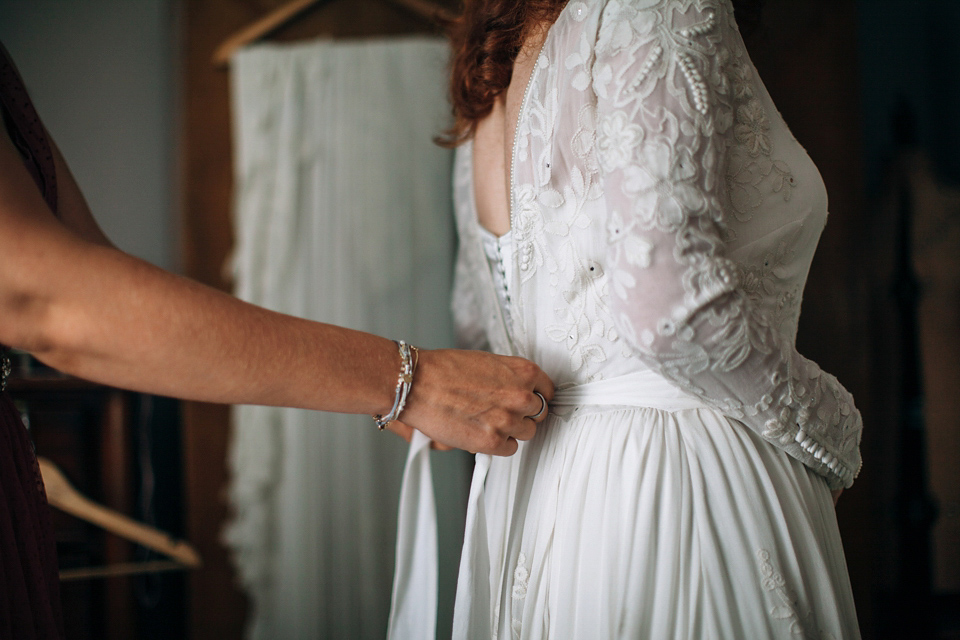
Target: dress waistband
point(646, 389)
point(413, 611)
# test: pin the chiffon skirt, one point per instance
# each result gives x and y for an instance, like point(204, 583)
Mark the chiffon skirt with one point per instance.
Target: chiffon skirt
point(647, 523)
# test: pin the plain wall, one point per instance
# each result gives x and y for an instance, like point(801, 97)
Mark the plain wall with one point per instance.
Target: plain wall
point(102, 76)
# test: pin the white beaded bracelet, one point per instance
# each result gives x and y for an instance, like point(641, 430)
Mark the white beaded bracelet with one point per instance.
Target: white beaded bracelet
point(408, 365)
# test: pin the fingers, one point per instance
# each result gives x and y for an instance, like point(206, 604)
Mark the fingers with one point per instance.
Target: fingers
point(502, 430)
point(535, 378)
point(477, 401)
point(527, 407)
point(508, 448)
point(537, 390)
point(544, 385)
point(526, 429)
point(403, 430)
point(536, 408)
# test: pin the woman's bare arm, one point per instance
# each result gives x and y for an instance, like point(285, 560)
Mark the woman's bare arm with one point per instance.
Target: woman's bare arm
point(90, 310)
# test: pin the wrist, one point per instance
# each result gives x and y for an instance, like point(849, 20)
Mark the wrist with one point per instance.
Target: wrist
point(426, 359)
point(404, 382)
point(388, 363)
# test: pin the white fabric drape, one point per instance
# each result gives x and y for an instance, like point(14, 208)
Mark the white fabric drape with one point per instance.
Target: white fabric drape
point(343, 215)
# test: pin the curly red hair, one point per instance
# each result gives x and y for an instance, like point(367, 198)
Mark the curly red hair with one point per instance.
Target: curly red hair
point(486, 39)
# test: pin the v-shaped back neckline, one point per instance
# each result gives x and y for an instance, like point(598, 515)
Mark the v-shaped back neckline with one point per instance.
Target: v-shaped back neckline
point(511, 169)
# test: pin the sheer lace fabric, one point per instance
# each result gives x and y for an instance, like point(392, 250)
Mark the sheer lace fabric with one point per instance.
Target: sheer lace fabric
point(665, 217)
point(663, 221)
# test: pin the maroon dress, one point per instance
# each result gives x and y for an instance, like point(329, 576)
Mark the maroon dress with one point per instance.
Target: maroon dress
point(29, 580)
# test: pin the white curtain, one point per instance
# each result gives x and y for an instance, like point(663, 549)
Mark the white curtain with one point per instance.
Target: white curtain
point(343, 215)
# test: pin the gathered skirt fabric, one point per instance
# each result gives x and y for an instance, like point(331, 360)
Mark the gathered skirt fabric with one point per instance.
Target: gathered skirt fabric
point(646, 523)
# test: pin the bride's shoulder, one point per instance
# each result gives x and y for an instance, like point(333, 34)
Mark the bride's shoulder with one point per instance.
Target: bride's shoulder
point(661, 11)
point(663, 24)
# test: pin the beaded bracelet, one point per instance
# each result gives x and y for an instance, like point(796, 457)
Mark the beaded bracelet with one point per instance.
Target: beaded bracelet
point(409, 357)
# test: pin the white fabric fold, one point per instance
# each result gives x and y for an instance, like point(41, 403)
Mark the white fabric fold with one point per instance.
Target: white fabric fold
point(413, 612)
point(645, 388)
point(414, 608)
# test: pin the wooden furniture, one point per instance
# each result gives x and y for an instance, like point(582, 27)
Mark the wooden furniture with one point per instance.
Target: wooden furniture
point(86, 436)
point(83, 428)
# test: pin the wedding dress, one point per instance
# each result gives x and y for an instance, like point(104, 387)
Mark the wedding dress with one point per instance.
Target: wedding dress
point(663, 220)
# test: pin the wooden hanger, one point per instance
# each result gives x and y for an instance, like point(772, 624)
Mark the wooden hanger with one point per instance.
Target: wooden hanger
point(62, 495)
point(290, 10)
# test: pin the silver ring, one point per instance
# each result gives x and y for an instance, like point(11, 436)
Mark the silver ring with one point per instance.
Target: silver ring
point(543, 407)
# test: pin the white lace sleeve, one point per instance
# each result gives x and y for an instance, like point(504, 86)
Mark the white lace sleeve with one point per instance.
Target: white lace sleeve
point(664, 119)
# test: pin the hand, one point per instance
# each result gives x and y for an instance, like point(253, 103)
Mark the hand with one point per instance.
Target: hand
point(405, 431)
point(475, 400)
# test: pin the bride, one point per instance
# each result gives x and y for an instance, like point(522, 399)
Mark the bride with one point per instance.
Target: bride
point(636, 218)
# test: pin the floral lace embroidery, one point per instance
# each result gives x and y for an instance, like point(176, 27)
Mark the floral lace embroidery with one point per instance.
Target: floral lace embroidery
point(521, 575)
point(760, 282)
point(745, 176)
point(752, 128)
point(748, 180)
point(580, 281)
point(676, 93)
point(649, 129)
point(789, 606)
